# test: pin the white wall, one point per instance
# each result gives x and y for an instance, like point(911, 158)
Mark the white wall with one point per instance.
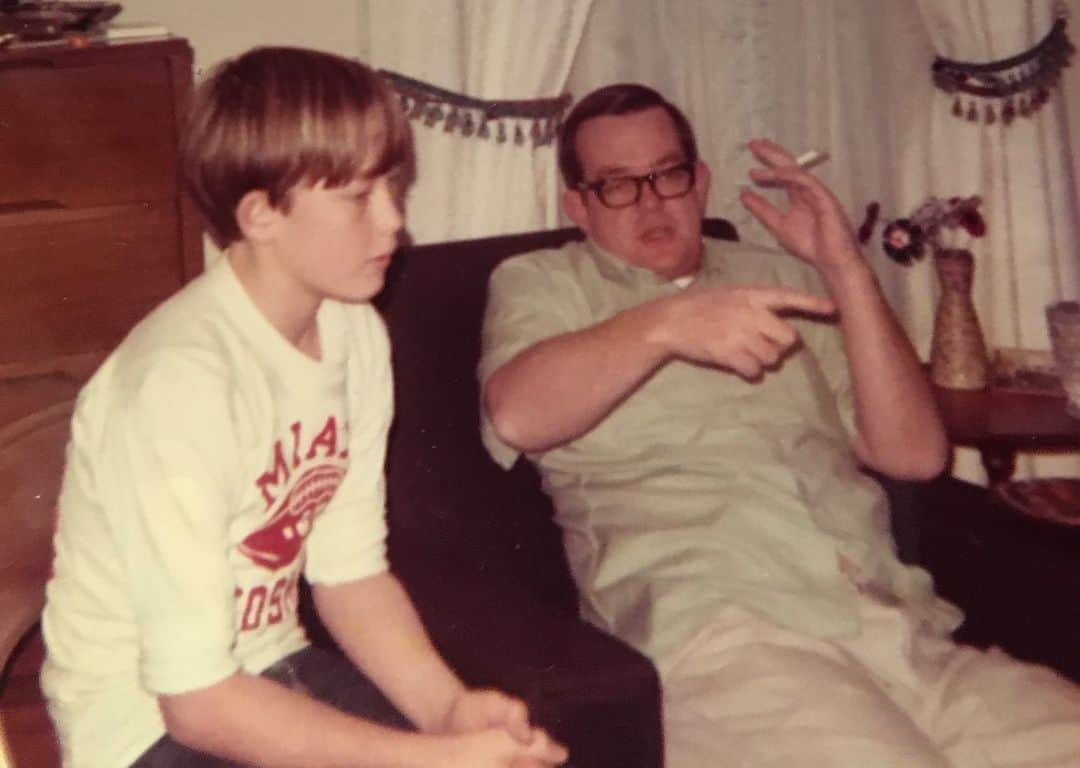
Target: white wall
point(220, 28)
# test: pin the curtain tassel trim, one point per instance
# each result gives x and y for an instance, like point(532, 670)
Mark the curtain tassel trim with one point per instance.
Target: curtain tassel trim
point(533, 120)
point(1004, 89)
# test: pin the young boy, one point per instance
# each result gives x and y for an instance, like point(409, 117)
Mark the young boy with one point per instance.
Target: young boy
point(235, 440)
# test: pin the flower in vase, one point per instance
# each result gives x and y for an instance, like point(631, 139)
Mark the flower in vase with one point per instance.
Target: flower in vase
point(948, 224)
point(903, 241)
point(958, 356)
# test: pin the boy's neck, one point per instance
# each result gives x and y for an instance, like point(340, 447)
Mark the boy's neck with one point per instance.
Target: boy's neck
point(291, 310)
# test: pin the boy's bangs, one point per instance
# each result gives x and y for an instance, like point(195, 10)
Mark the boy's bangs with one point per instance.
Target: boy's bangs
point(389, 137)
point(355, 138)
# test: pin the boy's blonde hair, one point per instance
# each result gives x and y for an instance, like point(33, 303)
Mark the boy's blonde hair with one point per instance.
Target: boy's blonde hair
point(273, 118)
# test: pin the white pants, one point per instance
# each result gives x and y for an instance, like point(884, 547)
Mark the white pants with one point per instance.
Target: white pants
point(746, 693)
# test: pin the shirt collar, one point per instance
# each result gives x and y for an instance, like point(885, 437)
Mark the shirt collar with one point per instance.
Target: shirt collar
point(620, 271)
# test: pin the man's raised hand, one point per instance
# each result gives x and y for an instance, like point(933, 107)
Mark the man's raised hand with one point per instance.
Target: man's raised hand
point(813, 226)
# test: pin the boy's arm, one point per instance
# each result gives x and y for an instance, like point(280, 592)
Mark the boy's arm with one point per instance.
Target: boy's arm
point(394, 650)
point(256, 721)
point(375, 624)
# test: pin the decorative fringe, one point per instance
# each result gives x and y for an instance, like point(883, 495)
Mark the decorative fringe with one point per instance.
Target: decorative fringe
point(538, 119)
point(1019, 85)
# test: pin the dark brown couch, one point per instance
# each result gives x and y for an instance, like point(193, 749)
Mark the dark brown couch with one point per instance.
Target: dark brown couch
point(478, 550)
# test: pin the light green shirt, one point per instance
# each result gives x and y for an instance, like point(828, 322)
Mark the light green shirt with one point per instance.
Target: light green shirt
point(702, 489)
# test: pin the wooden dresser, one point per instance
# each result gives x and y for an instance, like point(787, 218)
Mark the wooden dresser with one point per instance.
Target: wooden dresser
point(94, 232)
point(94, 229)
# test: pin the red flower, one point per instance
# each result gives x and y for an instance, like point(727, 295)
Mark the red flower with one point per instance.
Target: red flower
point(903, 241)
point(869, 221)
point(972, 221)
point(934, 223)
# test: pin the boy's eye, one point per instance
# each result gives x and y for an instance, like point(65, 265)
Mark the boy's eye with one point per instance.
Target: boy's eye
point(361, 190)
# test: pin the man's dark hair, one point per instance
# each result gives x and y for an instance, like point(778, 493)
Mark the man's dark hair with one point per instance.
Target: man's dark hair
point(618, 99)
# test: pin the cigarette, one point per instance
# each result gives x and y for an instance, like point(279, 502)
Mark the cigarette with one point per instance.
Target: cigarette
point(810, 158)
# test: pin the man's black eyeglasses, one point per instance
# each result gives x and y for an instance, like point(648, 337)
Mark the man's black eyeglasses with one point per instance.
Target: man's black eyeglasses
point(624, 191)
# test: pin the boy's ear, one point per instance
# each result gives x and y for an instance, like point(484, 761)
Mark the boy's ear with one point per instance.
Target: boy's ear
point(255, 216)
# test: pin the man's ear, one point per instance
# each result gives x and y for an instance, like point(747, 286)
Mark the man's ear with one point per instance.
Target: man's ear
point(702, 180)
point(573, 205)
point(255, 216)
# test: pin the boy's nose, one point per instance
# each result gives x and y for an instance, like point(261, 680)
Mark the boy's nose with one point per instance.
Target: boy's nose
point(389, 213)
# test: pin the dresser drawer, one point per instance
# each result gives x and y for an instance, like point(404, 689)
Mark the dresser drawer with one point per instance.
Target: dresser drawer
point(85, 134)
point(75, 282)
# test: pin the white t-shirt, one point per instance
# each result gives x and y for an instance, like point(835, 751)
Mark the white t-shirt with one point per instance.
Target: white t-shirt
point(210, 464)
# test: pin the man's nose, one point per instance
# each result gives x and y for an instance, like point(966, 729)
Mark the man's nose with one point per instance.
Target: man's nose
point(649, 198)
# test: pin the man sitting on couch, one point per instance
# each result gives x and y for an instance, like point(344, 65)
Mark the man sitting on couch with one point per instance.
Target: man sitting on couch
point(700, 427)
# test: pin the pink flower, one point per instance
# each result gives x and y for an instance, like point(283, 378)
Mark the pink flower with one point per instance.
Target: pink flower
point(904, 240)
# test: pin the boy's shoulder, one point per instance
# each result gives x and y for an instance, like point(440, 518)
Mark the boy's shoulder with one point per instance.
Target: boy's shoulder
point(209, 334)
point(184, 336)
point(194, 318)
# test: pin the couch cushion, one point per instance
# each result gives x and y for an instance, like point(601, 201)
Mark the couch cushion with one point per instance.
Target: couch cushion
point(441, 484)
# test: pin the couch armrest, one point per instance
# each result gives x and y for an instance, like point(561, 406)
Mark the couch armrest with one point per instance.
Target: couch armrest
point(1014, 577)
point(591, 691)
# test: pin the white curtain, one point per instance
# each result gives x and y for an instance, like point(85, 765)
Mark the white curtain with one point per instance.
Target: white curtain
point(850, 76)
point(471, 187)
point(805, 72)
point(714, 60)
point(1025, 173)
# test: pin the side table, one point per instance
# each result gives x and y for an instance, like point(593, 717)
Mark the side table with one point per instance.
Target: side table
point(999, 423)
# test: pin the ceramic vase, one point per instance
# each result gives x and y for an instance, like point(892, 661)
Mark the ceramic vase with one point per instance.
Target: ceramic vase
point(1063, 322)
point(958, 357)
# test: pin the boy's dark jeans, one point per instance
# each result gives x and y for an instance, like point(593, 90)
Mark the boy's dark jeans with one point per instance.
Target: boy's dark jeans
point(323, 675)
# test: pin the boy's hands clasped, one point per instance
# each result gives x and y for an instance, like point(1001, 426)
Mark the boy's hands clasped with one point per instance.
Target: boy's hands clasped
point(493, 730)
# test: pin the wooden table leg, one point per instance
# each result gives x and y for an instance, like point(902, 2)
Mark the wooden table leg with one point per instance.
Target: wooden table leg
point(999, 463)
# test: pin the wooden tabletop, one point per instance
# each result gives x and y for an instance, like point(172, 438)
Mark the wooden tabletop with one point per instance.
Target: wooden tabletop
point(1001, 422)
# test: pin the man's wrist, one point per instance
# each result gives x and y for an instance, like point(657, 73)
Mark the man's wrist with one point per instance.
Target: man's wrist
point(655, 319)
point(852, 277)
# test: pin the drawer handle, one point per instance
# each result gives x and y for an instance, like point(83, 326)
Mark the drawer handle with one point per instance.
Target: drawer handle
point(27, 206)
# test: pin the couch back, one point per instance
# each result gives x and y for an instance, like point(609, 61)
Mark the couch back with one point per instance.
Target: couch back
point(442, 488)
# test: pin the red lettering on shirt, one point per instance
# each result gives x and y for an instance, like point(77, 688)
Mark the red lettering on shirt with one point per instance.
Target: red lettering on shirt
point(277, 475)
point(326, 439)
point(259, 606)
point(270, 482)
